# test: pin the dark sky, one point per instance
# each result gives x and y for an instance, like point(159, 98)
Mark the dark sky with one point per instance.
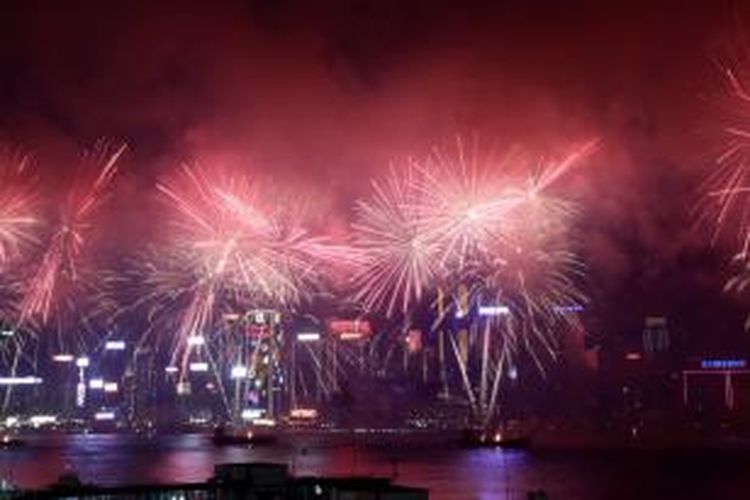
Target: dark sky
point(326, 93)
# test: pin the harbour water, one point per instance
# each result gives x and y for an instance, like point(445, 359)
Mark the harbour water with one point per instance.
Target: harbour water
point(448, 472)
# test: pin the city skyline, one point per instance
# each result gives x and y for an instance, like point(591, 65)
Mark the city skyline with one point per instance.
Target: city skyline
point(492, 249)
point(196, 100)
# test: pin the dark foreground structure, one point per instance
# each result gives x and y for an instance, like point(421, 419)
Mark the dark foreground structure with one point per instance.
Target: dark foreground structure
point(256, 481)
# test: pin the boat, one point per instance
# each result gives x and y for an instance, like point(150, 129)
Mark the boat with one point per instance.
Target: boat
point(228, 437)
point(475, 438)
point(9, 441)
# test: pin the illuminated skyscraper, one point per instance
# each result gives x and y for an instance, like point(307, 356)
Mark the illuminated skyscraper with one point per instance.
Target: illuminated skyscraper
point(252, 363)
point(140, 386)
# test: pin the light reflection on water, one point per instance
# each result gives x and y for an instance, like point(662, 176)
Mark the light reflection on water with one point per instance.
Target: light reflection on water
point(449, 473)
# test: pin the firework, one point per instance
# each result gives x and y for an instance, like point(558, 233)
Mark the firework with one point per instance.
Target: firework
point(465, 204)
point(232, 242)
point(724, 202)
point(535, 272)
point(724, 193)
point(525, 260)
point(397, 254)
point(239, 238)
point(449, 217)
point(18, 206)
point(61, 276)
point(489, 235)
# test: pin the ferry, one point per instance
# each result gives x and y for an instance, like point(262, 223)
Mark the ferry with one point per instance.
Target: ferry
point(251, 435)
point(9, 441)
point(508, 436)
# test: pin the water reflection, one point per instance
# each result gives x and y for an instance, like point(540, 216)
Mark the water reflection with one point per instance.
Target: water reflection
point(449, 473)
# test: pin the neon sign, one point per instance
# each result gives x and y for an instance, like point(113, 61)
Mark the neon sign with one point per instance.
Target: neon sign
point(723, 364)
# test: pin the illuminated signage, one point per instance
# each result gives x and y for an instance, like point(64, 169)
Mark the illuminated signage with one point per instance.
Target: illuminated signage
point(264, 422)
point(414, 341)
point(259, 331)
point(252, 413)
point(572, 308)
point(20, 380)
point(351, 335)
point(304, 413)
point(264, 317)
point(80, 394)
point(96, 384)
point(104, 416)
point(308, 337)
point(239, 371)
point(723, 364)
point(198, 367)
point(114, 345)
point(196, 341)
point(37, 420)
point(494, 310)
point(350, 329)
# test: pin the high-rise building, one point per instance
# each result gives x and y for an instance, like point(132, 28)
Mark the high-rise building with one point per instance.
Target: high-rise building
point(655, 337)
point(141, 388)
point(306, 368)
point(254, 365)
point(59, 397)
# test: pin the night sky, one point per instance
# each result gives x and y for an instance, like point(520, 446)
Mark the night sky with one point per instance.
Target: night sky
point(325, 94)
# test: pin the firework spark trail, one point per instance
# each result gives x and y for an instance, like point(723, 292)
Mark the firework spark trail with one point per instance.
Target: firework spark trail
point(19, 222)
point(61, 260)
point(18, 204)
point(554, 171)
point(449, 216)
point(464, 205)
point(486, 233)
point(397, 256)
point(232, 242)
point(725, 205)
point(534, 280)
point(235, 239)
point(471, 200)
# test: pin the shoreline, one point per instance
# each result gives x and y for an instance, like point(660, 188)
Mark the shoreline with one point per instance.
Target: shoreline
point(409, 439)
